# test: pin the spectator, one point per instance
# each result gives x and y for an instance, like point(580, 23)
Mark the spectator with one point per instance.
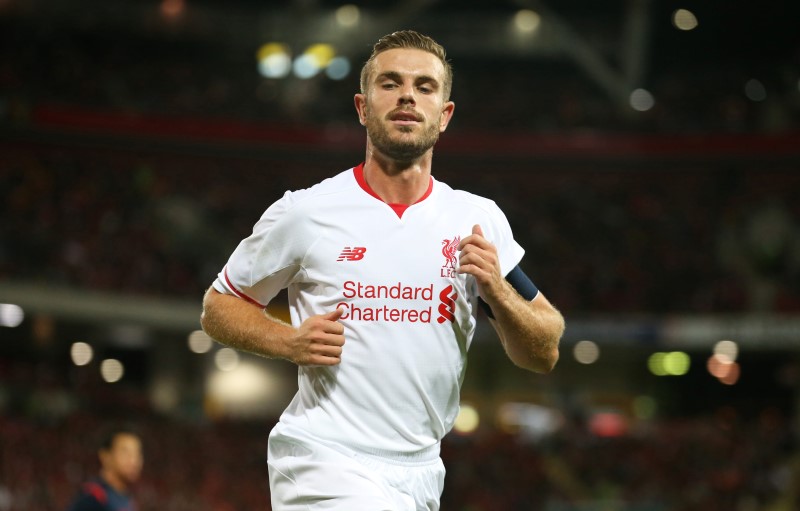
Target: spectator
point(121, 460)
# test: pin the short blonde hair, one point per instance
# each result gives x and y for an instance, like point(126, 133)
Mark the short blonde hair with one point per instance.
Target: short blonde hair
point(413, 40)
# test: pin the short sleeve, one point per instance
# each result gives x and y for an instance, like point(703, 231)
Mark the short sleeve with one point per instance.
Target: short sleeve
point(499, 233)
point(269, 259)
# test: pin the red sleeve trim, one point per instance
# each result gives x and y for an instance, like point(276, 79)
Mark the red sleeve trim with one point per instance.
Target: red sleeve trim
point(239, 293)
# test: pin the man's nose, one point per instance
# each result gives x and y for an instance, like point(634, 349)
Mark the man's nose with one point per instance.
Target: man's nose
point(407, 96)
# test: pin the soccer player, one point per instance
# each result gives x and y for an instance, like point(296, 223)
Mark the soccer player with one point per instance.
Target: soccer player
point(121, 462)
point(385, 268)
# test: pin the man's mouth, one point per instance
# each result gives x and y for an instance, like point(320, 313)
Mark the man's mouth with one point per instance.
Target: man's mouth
point(405, 117)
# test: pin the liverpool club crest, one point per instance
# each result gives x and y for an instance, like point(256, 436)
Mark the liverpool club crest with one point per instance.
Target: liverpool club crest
point(449, 249)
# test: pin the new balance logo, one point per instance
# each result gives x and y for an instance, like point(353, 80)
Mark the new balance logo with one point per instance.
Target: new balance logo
point(352, 254)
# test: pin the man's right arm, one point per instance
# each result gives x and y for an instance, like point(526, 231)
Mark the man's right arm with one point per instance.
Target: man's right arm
point(244, 326)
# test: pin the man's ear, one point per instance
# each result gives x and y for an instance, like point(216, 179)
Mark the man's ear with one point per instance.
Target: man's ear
point(447, 114)
point(360, 101)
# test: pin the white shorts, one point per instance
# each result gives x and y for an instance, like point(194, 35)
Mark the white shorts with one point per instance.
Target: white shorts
point(308, 475)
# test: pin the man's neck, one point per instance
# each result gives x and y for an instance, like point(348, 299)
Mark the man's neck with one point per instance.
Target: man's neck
point(398, 182)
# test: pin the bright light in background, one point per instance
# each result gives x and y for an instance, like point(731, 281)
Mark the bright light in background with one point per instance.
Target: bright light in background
point(641, 100)
point(732, 375)
point(719, 365)
point(305, 67)
point(675, 363)
point(722, 364)
point(338, 68)
point(200, 342)
point(527, 21)
point(348, 15)
point(322, 53)
point(11, 315)
point(684, 19)
point(728, 348)
point(165, 393)
point(608, 424)
point(315, 58)
point(226, 359)
point(467, 420)
point(586, 352)
point(172, 8)
point(81, 353)
point(249, 389)
point(755, 90)
point(111, 370)
point(274, 60)
point(531, 420)
point(656, 364)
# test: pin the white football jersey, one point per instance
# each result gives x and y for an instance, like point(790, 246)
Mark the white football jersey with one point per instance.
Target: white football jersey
point(408, 316)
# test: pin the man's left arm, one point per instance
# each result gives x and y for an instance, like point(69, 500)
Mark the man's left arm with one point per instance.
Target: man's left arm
point(530, 330)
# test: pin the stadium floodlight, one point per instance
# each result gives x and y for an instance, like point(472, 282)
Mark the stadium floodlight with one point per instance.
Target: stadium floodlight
point(11, 315)
point(274, 60)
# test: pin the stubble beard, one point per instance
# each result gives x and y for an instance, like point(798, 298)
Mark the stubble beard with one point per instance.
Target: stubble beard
point(401, 148)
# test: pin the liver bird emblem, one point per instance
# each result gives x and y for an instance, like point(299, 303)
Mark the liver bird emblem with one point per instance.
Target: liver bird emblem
point(449, 248)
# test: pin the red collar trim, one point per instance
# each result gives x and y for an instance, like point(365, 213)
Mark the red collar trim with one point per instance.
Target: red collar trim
point(399, 209)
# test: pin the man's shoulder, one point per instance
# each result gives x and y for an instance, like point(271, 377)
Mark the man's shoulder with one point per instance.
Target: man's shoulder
point(340, 182)
point(295, 200)
point(469, 199)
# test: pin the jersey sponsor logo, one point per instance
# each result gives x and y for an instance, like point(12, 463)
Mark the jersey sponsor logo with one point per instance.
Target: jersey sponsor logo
point(403, 303)
point(397, 291)
point(359, 312)
point(447, 307)
point(352, 254)
point(449, 249)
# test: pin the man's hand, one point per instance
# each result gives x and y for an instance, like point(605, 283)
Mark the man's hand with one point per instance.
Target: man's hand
point(319, 341)
point(479, 258)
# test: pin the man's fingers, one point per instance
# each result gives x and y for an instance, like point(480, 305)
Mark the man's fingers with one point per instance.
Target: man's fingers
point(330, 322)
point(327, 350)
point(320, 340)
point(332, 330)
point(479, 258)
point(334, 315)
point(475, 239)
point(330, 339)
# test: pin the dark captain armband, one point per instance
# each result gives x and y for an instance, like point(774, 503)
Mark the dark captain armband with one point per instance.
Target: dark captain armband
point(520, 282)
